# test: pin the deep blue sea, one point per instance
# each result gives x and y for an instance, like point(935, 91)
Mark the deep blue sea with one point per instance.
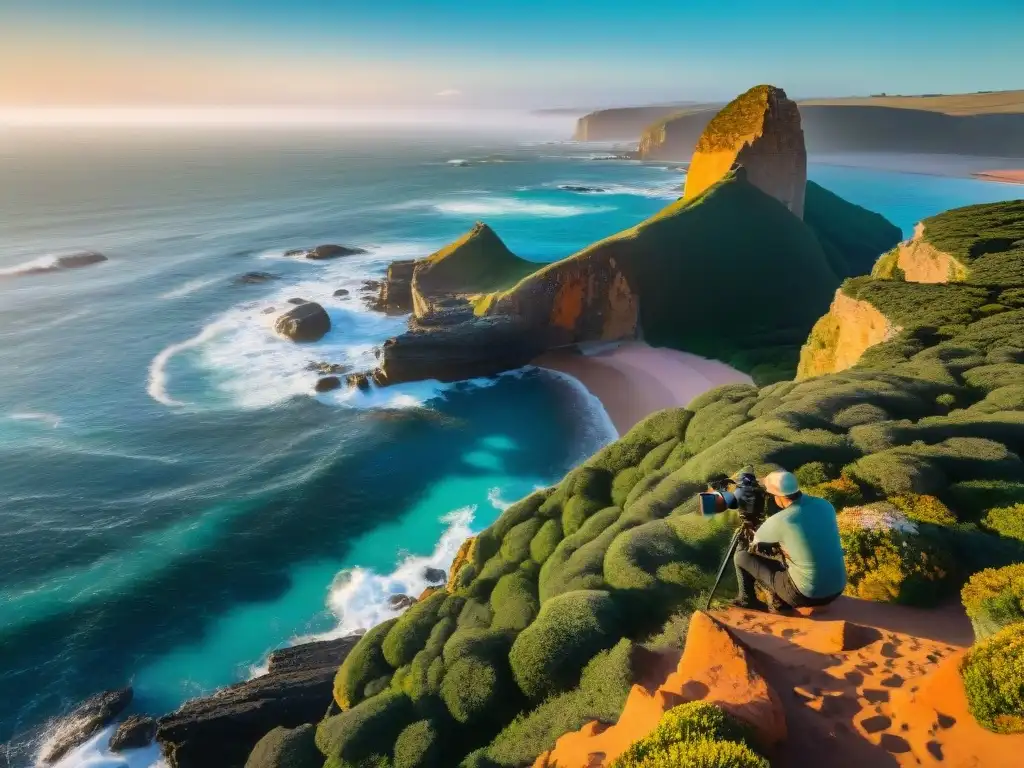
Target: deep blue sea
point(175, 501)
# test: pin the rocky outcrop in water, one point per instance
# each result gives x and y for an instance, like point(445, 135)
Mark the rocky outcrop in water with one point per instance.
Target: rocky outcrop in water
point(759, 130)
point(135, 732)
point(396, 289)
point(68, 261)
point(306, 322)
point(255, 278)
point(221, 730)
point(89, 717)
point(327, 383)
point(328, 251)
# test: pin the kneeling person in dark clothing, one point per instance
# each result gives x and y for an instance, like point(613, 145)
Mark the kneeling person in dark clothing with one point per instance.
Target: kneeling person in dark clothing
point(806, 531)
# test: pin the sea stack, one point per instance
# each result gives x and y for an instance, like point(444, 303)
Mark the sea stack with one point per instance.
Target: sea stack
point(760, 130)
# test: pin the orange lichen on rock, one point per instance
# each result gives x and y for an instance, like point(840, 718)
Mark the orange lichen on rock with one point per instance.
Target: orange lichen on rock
point(842, 335)
point(922, 262)
point(569, 302)
point(714, 667)
point(463, 556)
point(623, 309)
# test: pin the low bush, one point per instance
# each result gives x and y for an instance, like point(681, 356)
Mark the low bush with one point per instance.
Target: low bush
point(364, 664)
point(601, 694)
point(890, 565)
point(923, 509)
point(514, 601)
point(1007, 521)
point(972, 499)
point(899, 470)
point(475, 690)
point(994, 598)
point(418, 746)
point(814, 473)
point(410, 633)
point(545, 540)
point(840, 493)
point(549, 655)
point(697, 733)
point(369, 728)
point(994, 680)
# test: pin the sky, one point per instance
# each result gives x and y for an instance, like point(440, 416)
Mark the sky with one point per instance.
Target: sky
point(495, 53)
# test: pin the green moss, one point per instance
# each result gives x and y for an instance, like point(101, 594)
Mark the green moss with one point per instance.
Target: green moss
point(369, 728)
point(514, 601)
point(364, 664)
point(475, 690)
point(418, 746)
point(408, 636)
point(994, 680)
point(545, 540)
point(478, 262)
point(549, 656)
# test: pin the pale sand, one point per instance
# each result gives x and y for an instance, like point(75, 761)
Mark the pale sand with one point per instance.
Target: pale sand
point(1004, 177)
point(633, 380)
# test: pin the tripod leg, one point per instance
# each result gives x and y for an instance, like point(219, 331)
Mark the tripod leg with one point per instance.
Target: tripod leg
point(725, 564)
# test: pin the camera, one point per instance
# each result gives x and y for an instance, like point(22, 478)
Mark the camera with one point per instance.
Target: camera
point(744, 494)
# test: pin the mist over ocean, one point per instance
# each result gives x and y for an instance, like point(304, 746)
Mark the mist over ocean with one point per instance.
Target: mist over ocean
point(175, 501)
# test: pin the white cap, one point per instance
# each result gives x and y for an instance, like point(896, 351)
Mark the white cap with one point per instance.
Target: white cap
point(781, 483)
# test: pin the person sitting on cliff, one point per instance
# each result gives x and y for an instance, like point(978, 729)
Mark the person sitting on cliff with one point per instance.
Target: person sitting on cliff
point(806, 531)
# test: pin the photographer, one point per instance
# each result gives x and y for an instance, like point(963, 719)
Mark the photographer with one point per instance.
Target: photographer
point(805, 529)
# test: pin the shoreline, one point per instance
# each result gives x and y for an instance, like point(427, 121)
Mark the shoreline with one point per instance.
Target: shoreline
point(632, 380)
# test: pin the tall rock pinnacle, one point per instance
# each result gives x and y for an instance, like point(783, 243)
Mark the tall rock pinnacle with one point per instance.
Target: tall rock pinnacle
point(760, 130)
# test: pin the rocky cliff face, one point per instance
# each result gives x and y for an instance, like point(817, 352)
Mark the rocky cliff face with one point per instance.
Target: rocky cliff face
point(674, 137)
point(623, 124)
point(838, 339)
point(759, 130)
point(919, 261)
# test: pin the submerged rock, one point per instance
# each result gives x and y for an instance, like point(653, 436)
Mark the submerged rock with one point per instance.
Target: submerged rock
point(581, 189)
point(90, 716)
point(220, 731)
point(327, 383)
point(68, 261)
point(342, 292)
point(306, 322)
point(297, 301)
point(327, 369)
point(135, 732)
point(435, 575)
point(255, 278)
point(287, 748)
point(399, 602)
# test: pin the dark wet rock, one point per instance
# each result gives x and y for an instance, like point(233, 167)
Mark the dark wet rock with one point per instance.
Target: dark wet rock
point(399, 602)
point(359, 380)
point(90, 716)
point(255, 278)
point(327, 369)
point(327, 383)
point(306, 322)
point(331, 251)
point(435, 575)
point(287, 748)
point(396, 290)
point(135, 732)
point(220, 731)
point(82, 259)
point(581, 189)
point(268, 311)
point(341, 292)
point(298, 301)
point(465, 349)
point(370, 286)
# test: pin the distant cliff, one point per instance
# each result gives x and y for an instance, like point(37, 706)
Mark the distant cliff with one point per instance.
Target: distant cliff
point(621, 124)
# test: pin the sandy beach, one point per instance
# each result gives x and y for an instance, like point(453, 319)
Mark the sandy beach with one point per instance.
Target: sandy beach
point(633, 380)
point(1004, 177)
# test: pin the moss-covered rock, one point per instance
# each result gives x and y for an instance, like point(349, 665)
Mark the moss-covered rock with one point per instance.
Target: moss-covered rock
point(286, 748)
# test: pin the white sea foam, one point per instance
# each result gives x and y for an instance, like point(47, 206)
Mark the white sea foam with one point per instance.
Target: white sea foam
point(604, 430)
point(188, 288)
point(43, 262)
point(50, 419)
point(157, 385)
point(507, 206)
point(359, 597)
point(96, 754)
point(662, 190)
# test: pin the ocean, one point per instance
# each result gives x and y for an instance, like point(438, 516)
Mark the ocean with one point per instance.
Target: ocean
point(175, 500)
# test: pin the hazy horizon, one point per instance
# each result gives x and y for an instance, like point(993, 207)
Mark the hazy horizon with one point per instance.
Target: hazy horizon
point(311, 54)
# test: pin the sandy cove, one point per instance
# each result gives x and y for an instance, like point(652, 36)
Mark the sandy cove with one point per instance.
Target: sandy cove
point(633, 380)
point(1003, 177)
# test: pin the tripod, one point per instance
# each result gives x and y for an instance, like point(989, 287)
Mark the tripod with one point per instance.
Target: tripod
point(744, 532)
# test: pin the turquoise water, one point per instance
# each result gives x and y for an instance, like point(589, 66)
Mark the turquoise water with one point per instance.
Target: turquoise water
point(175, 502)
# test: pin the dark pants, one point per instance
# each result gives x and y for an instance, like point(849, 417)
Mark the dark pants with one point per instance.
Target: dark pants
point(774, 577)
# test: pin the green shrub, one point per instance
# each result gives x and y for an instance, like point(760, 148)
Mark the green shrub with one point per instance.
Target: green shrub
point(364, 664)
point(923, 509)
point(972, 499)
point(369, 728)
point(1007, 521)
point(549, 655)
point(487, 644)
point(994, 680)
point(475, 690)
point(514, 601)
point(410, 633)
point(813, 473)
point(545, 540)
point(576, 511)
point(899, 470)
point(699, 754)
point(893, 565)
point(994, 598)
point(418, 746)
point(696, 721)
point(475, 614)
point(624, 482)
point(840, 493)
point(601, 694)
point(286, 748)
point(515, 547)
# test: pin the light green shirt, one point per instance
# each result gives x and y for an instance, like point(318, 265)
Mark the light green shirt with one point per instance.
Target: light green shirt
point(809, 536)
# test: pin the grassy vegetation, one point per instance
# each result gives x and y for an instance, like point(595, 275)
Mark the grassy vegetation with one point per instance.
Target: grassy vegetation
point(988, 238)
point(533, 637)
point(980, 103)
point(478, 262)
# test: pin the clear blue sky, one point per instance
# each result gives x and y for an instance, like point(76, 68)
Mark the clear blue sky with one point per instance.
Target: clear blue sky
point(527, 53)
